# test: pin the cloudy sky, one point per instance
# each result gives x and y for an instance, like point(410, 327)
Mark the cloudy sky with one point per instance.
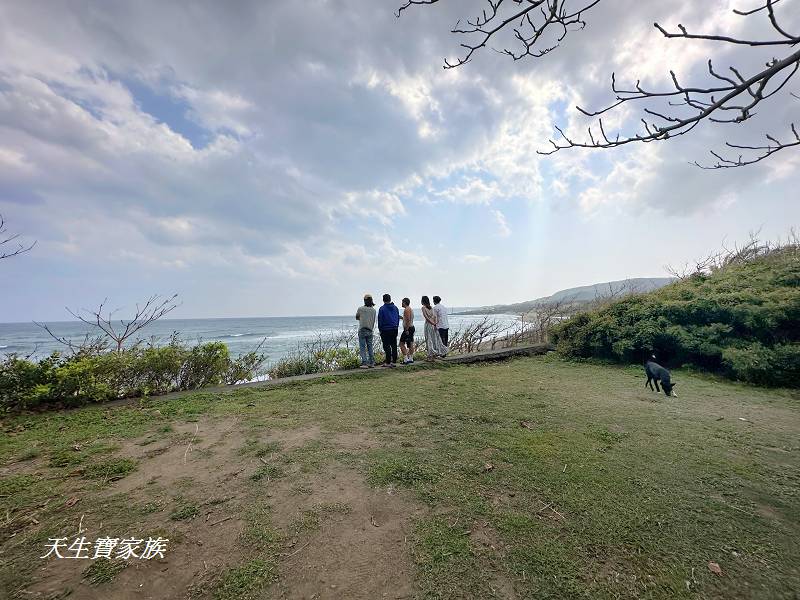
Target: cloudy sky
point(283, 157)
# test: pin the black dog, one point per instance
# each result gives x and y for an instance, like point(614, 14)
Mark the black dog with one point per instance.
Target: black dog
point(655, 373)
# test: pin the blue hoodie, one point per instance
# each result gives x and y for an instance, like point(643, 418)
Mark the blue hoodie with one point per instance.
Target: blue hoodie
point(388, 317)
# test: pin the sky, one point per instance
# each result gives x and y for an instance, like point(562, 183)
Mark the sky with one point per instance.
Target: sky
point(283, 158)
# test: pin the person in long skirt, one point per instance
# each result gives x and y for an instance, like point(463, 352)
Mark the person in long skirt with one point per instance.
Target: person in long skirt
point(433, 342)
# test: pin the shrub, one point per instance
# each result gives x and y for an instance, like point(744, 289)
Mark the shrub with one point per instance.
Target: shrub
point(83, 380)
point(158, 369)
point(755, 363)
point(742, 320)
point(89, 376)
point(205, 364)
point(244, 367)
point(302, 362)
point(325, 353)
point(25, 384)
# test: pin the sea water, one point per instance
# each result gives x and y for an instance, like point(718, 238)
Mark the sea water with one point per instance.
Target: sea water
point(277, 335)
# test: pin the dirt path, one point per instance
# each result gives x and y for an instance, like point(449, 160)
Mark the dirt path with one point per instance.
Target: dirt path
point(333, 536)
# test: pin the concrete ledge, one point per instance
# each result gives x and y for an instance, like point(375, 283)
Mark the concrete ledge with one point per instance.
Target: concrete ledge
point(499, 354)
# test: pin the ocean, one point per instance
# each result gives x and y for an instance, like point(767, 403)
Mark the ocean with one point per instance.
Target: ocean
point(281, 335)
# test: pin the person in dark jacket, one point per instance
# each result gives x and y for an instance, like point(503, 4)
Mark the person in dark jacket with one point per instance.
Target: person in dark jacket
point(388, 323)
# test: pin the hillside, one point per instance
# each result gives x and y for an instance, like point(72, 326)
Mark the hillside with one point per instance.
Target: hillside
point(577, 295)
point(742, 320)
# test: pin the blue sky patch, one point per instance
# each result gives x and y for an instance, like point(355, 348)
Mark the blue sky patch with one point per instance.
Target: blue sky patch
point(169, 109)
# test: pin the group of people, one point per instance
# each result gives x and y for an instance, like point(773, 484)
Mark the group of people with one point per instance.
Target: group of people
point(389, 321)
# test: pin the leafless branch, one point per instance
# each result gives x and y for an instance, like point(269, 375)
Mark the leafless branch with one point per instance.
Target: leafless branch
point(729, 97)
point(703, 100)
point(732, 92)
point(472, 336)
point(19, 249)
point(88, 345)
point(114, 332)
point(739, 253)
point(530, 21)
point(761, 152)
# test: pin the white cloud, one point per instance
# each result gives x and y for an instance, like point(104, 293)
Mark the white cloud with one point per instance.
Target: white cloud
point(216, 109)
point(416, 95)
point(383, 206)
point(624, 182)
point(503, 230)
point(321, 146)
point(472, 191)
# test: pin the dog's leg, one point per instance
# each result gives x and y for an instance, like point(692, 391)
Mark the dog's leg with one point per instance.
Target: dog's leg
point(656, 382)
point(647, 383)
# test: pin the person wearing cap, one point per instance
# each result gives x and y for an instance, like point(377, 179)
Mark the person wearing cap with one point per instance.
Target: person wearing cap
point(366, 324)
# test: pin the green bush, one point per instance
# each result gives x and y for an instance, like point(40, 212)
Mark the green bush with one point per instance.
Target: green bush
point(742, 321)
point(755, 363)
point(83, 380)
point(25, 384)
point(338, 358)
point(158, 369)
point(302, 362)
point(205, 364)
point(97, 377)
point(325, 353)
point(244, 367)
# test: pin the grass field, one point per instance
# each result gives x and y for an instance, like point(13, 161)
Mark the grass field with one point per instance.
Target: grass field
point(533, 478)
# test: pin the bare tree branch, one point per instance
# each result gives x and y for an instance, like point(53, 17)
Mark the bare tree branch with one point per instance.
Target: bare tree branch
point(707, 102)
point(729, 97)
point(20, 248)
point(114, 332)
point(753, 248)
point(530, 21)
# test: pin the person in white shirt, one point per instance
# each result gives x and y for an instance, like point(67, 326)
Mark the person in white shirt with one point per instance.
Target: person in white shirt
point(440, 310)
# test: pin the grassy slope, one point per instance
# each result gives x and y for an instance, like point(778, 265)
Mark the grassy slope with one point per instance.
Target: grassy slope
point(614, 492)
point(693, 321)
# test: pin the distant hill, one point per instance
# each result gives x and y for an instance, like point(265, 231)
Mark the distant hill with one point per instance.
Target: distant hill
point(578, 295)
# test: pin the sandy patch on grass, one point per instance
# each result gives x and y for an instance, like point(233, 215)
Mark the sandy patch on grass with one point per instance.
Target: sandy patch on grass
point(338, 537)
point(361, 548)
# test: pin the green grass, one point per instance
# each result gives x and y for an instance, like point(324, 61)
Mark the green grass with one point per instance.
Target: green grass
point(614, 491)
point(267, 472)
point(254, 447)
point(331, 508)
point(447, 565)
point(311, 457)
point(308, 520)
point(29, 454)
point(103, 570)
point(109, 470)
point(258, 533)
point(184, 511)
point(245, 581)
point(260, 546)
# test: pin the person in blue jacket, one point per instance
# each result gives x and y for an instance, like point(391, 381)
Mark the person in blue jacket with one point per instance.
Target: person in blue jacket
point(388, 323)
